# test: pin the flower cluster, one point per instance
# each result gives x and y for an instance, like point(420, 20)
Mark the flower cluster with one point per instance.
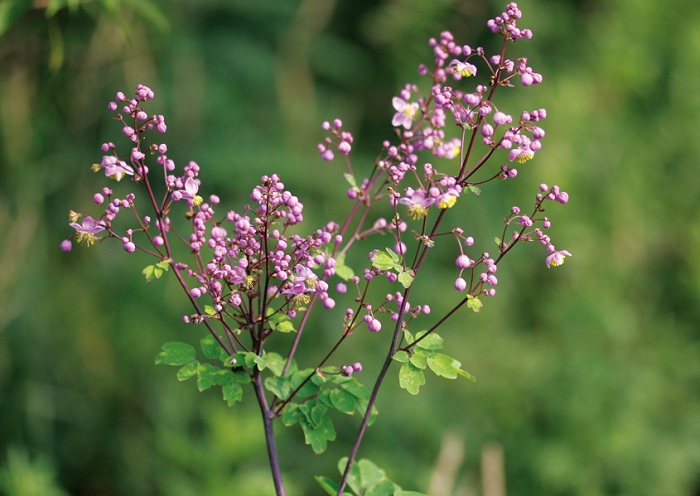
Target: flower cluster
point(250, 275)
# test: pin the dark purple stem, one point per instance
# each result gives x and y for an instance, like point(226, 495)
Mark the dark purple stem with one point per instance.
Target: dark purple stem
point(267, 417)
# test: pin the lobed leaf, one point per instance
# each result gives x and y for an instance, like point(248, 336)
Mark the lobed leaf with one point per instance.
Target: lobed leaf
point(443, 365)
point(383, 487)
point(330, 486)
point(208, 375)
point(212, 349)
point(419, 360)
point(411, 378)
point(279, 386)
point(175, 353)
point(188, 371)
point(343, 401)
point(431, 342)
point(232, 392)
point(280, 322)
point(474, 303)
point(343, 271)
point(405, 278)
point(273, 361)
point(318, 435)
point(401, 356)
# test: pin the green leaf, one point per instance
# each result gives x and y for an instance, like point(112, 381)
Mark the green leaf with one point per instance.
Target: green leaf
point(241, 359)
point(357, 389)
point(279, 386)
point(351, 181)
point(443, 365)
point(466, 374)
point(317, 414)
point(383, 487)
point(370, 474)
point(405, 278)
point(175, 353)
point(354, 477)
point(279, 321)
point(209, 375)
point(240, 377)
point(318, 435)
point(474, 303)
point(401, 356)
point(386, 260)
point(155, 271)
point(343, 401)
point(401, 492)
point(342, 270)
point(411, 378)
point(309, 388)
point(474, 190)
point(419, 360)
point(273, 361)
point(209, 310)
point(212, 349)
point(329, 486)
point(291, 414)
point(232, 392)
point(431, 342)
point(188, 371)
point(163, 265)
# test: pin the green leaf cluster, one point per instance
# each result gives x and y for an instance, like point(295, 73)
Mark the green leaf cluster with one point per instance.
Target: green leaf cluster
point(421, 354)
point(178, 354)
point(390, 260)
point(365, 479)
point(319, 392)
point(155, 271)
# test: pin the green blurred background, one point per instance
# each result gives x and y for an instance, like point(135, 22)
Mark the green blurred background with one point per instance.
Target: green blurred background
point(588, 375)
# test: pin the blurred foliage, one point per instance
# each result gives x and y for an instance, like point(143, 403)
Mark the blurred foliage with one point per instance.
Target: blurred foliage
point(588, 375)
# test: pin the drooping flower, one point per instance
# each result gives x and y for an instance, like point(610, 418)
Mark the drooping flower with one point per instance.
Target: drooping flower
point(462, 69)
point(114, 168)
point(520, 155)
point(189, 193)
point(417, 203)
point(303, 282)
point(405, 112)
point(557, 258)
point(85, 232)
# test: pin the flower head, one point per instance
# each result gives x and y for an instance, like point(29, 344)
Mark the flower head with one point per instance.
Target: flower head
point(462, 69)
point(114, 168)
point(557, 258)
point(85, 232)
point(304, 281)
point(405, 112)
point(417, 203)
point(189, 193)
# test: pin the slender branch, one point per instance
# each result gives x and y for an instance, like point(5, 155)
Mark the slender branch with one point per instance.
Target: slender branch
point(267, 418)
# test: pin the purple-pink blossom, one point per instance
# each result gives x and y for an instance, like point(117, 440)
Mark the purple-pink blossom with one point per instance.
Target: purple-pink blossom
point(405, 112)
point(557, 258)
point(86, 231)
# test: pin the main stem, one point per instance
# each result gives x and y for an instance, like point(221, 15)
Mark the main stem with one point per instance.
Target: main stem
point(267, 416)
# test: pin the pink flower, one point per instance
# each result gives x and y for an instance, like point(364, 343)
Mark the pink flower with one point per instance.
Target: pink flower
point(189, 193)
point(305, 281)
point(405, 112)
point(85, 232)
point(557, 258)
point(417, 203)
point(462, 69)
point(114, 168)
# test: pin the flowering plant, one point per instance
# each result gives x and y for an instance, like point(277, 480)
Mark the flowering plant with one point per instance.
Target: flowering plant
point(250, 277)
